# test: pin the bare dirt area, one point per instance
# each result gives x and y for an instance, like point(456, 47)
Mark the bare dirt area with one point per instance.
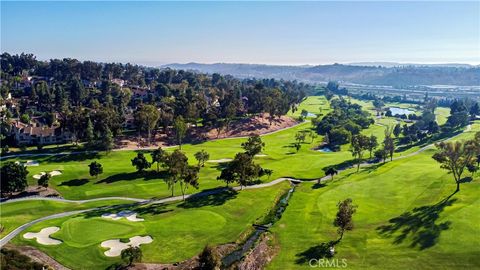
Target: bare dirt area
point(34, 191)
point(260, 255)
point(257, 125)
point(37, 256)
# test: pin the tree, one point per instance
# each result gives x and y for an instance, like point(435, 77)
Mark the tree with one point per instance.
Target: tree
point(304, 113)
point(372, 144)
point(397, 130)
point(140, 162)
point(300, 136)
point(359, 144)
point(13, 177)
point(180, 129)
point(202, 157)
point(146, 118)
point(209, 259)
point(339, 136)
point(189, 177)
point(254, 145)
point(95, 169)
point(43, 180)
point(108, 141)
point(388, 143)
point(25, 118)
point(131, 255)
point(90, 136)
point(381, 154)
point(343, 219)
point(241, 169)
point(455, 157)
point(158, 156)
point(177, 164)
point(331, 172)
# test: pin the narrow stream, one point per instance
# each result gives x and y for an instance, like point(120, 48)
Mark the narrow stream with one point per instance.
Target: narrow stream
point(274, 215)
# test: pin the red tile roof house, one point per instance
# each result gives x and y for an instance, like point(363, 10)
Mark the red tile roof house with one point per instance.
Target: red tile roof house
point(28, 134)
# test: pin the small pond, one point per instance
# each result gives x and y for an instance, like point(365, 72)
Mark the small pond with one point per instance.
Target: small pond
point(325, 150)
point(400, 111)
point(311, 115)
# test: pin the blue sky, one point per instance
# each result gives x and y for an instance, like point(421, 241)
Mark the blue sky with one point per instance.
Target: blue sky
point(245, 32)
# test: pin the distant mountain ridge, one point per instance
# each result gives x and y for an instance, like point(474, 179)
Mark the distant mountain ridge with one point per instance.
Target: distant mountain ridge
point(361, 73)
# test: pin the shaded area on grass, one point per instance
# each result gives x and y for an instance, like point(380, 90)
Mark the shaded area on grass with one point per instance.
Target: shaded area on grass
point(74, 182)
point(315, 252)
point(146, 175)
point(420, 224)
point(215, 198)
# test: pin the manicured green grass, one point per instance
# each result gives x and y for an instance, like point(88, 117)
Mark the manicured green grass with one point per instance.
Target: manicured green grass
point(313, 104)
point(430, 233)
point(120, 179)
point(17, 213)
point(179, 230)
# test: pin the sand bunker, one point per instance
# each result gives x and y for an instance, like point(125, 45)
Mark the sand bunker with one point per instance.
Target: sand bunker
point(31, 163)
point(52, 173)
point(220, 160)
point(129, 215)
point(261, 155)
point(116, 247)
point(43, 237)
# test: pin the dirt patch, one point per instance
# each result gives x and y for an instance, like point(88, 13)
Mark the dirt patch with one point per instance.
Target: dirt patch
point(260, 256)
point(34, 191)
point(257, 125)
point(37, 256)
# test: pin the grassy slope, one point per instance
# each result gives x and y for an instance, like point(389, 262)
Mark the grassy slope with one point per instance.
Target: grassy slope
point(18, 213)
point(180, 231)
point(438, 234)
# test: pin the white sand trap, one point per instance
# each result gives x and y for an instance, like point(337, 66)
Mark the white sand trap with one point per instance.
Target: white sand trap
point(52, 173)
point(55, 173)
point(261, 155)
point(129, 215)
point(220, 160)
point(37, 176)
point(43, 237)
point(116, 247)
point(32, 163)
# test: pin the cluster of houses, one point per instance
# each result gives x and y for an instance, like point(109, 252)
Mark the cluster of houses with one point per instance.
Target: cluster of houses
point(36, 133)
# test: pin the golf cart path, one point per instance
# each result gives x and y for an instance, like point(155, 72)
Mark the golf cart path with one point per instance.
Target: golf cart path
point(15, 232)
point(144, 148)
point(21, 228)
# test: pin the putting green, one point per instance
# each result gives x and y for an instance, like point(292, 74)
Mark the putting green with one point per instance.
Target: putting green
point(179, 230)
point(74, 230)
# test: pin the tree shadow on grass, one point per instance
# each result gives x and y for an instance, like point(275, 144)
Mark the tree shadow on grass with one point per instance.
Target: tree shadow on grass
point(74, 182)
point(73, 157)
point(146, 175)
point(318, 185)
point(139, 208)
point(420, 224)
point(214, 197)
point(315, 252)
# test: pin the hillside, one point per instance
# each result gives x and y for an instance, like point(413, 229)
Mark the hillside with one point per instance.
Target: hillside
point(362, 74)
